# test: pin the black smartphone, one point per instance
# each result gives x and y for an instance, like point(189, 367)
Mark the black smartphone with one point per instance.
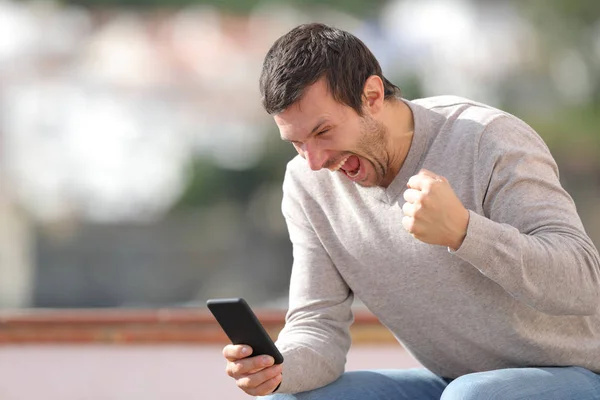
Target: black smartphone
point(241, 325)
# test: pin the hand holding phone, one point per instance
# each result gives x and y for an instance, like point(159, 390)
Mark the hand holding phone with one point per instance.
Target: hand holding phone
point(252, 374)
point(243, 327)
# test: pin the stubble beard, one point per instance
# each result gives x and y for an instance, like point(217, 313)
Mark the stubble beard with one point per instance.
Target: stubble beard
point(372, 146)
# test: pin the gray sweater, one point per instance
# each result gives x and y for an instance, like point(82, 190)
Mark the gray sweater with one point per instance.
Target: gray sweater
point(522, 290)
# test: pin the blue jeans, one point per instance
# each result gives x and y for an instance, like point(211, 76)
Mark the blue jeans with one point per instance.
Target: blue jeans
point(557, 383)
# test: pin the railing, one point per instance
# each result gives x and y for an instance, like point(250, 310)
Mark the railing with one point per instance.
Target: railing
point(148, 327)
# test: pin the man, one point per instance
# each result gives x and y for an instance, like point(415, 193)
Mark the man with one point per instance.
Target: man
point(445, 217)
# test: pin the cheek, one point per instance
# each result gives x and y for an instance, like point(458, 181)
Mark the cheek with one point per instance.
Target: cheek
point(346, 140)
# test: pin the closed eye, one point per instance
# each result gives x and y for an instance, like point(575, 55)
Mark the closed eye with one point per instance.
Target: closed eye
point(322, 132)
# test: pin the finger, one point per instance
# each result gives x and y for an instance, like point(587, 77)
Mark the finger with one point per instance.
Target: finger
point(412, 195)
point(420, 182)
point(409, 209)
point(233, 352)
point(408, 223)
point(261, 363)
point(432, 175)
point(255, 380)
point(267, 387)
point(239, 368)
point(428, 173)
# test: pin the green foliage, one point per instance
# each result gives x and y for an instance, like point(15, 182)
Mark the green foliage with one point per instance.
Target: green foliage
point(565, 26)
point(570, 128)
point(208, 184)
point(359, 8)
point(410, 86)
point(232, 6)
point(585, 12)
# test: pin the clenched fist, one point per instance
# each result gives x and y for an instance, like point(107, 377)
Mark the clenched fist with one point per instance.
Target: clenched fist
point(432, 212)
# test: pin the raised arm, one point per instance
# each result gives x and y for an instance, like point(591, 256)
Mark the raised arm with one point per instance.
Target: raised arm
point(530, 239)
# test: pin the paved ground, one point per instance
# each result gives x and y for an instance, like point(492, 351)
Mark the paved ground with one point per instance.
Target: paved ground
point(99, 372)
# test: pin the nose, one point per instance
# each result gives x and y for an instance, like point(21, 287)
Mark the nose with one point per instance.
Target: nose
point(314, 156)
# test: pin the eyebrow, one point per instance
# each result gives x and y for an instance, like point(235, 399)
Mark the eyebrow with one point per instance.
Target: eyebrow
point(315, 129)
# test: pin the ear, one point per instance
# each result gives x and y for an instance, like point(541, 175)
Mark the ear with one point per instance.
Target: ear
point(373, 95)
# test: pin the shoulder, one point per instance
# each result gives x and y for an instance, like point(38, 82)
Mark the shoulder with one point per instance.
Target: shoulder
point(460, 108)
point(470, 118)
point(506, 135)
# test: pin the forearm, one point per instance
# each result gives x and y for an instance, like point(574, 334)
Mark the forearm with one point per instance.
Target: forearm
point(307, 368)
point(314, 348)
point(556, 271)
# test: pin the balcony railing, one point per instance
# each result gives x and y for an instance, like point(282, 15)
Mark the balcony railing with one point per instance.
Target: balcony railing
point(149, 326)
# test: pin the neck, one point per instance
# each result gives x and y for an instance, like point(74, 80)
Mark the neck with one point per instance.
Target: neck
point(399, 122)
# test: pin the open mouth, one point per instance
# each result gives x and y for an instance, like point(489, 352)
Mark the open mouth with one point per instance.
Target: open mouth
point(349, 166)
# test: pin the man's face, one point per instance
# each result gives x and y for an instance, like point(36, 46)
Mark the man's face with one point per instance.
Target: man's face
point(331, 135)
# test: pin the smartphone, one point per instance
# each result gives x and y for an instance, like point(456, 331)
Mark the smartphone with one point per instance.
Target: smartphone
point(241, 325)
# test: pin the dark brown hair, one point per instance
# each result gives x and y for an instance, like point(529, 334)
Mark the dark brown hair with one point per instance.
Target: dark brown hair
point(305, 54)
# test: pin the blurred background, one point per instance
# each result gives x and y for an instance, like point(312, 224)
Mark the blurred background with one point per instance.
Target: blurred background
point(138, 169)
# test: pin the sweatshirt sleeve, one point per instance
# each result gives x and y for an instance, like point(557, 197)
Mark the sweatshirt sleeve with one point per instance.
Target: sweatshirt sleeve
point(316, 338)
point(530, 239)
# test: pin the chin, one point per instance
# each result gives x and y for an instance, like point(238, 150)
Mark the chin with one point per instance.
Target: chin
point(367, 183)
